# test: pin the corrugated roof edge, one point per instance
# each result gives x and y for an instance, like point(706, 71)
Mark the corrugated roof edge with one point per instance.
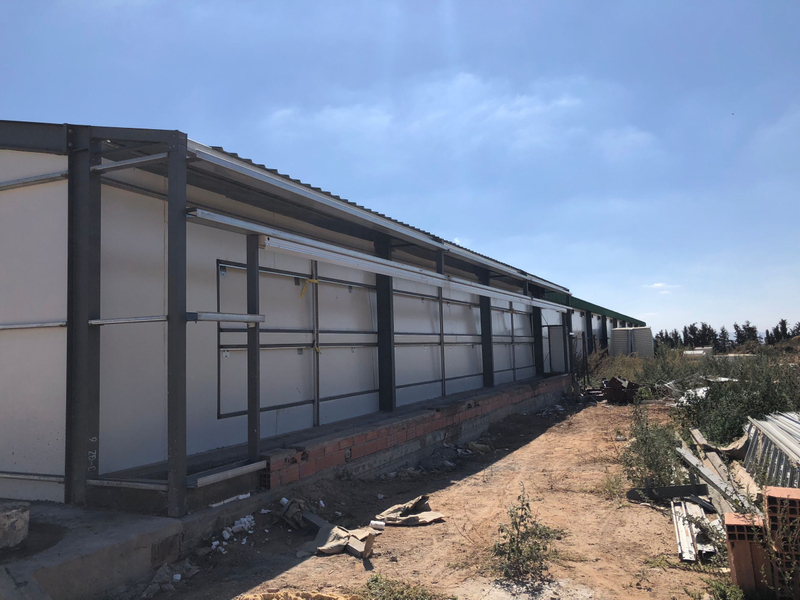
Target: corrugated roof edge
point(579, 304)
point(376, 213)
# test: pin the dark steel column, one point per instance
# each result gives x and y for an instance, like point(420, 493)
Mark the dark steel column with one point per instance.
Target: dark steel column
point(83, 304)
point(440, 270)
point(487, 339)
point(589, 334)
point(253, 352)
point(176, 326)
point(603, 332)
point(566, 322)
point(387, 391)
point(538, 343)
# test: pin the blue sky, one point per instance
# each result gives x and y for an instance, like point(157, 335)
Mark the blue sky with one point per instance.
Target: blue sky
point(644, 154)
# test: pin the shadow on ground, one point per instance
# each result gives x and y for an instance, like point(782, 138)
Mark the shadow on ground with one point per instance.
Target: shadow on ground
point(266, 556)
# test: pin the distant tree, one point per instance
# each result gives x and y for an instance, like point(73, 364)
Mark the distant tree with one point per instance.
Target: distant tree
point(739, 335)
point(676, 338)
point(707, 335)
point(750, 332)
point(779, 333)
point(723, 340)
point(795, 330)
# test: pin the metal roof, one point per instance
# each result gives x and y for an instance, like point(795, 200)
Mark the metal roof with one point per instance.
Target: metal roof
point(472, 254)
point(579, 304)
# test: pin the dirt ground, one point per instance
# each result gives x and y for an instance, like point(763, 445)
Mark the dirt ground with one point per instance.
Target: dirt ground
point(607, 551)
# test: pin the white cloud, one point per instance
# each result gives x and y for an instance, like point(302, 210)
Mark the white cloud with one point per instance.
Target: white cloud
point(457, 115)
point(660, 286)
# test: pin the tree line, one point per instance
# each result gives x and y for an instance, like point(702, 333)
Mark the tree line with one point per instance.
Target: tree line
point(704, 335)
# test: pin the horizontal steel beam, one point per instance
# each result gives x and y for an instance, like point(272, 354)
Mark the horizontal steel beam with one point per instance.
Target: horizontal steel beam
point(32, 477)
point(129, 484)
point(224, 317)
point(50, 138)
point(125, 320)
point(330, 253)
point(35, 325)
point(131, 163)
point(34, 180)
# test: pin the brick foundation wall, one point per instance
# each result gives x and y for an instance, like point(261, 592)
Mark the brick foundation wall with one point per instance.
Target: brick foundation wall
point(411, 436)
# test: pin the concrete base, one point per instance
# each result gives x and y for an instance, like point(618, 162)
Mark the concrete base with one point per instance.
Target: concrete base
point(73, 553)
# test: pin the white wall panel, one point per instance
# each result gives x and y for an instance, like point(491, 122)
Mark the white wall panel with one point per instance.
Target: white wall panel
point(232, 381)
point(204, 247)
point(347, 371)
point(293, 419)
point(418, 393)
point(460, 296)
point(522, 325)
point(550, 317)
point(502, 357)
point(282, 305)
point(133, 362)
point(33, 400)
point(345, 274)
point(417, 363)
point(286, 376)
point(459, 318)
point(526, 373)
point(347, 408)
point(465, 384)
point(133, 402)
point(523, 355)
point(504, 377)
point(415, 315)
point(283, 262)
point(414, 287)
point(33, 272)
point(347, 308)
point(462, 360)
point(501, 323)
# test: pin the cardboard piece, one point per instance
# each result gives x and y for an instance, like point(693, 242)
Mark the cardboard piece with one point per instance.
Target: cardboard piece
point(415, 512)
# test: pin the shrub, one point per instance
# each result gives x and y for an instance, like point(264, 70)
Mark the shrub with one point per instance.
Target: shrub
point(379, 587)
point(763, 384)
point(650, 459)
point(524, 546)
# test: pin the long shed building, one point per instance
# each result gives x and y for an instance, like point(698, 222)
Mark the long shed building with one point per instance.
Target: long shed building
point(168, 310)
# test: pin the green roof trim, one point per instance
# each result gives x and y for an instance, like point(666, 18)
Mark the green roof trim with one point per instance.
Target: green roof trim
point(579, 304)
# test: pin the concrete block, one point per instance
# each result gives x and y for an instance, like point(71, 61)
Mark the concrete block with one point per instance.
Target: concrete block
point(14, 520)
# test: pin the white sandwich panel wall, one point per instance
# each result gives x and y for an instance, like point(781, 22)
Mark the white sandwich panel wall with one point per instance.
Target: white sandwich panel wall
point(33, 269)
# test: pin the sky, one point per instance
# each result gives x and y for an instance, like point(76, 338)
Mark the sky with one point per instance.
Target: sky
point(645, 155)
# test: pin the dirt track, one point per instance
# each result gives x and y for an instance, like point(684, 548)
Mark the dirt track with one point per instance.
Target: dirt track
point(562, 462)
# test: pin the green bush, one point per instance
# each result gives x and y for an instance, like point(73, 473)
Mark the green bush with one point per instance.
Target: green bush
point(524, 546)
point(650, 459)
point(764, 384)
point(379, 587)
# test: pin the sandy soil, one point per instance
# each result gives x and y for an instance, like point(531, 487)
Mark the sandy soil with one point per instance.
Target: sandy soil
point(605, 552)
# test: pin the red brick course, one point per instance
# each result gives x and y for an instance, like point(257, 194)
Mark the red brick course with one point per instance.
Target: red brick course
point(293, 464)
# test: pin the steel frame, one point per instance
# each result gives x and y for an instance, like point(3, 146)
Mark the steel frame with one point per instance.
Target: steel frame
point(86, 148)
